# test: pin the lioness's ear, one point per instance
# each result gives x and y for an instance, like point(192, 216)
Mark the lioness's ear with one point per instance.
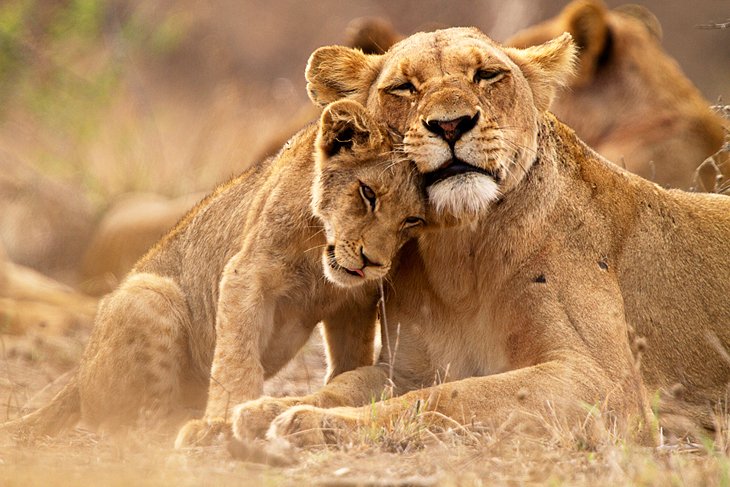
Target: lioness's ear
point(336, 72)
point(345, 125)
point(547, 67)
point(586, 21)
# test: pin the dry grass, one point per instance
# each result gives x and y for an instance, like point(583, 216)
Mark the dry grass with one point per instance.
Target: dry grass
point(450, 459)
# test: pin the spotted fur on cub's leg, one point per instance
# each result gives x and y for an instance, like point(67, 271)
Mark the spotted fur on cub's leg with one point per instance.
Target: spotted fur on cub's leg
point(137, 354)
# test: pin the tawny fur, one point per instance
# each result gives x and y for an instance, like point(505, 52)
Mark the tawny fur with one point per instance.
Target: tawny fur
point(532, 308)
point(231, 294)
point(31, 302)
point(44, 224)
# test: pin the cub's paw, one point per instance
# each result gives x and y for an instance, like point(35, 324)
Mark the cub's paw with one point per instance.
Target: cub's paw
point(306, 426)
point(252, 419)
point(203, 432)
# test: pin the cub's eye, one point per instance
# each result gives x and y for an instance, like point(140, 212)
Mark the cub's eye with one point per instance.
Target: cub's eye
point(368, 195)
point(413, 221)
point(488, 75)
point(404, 89)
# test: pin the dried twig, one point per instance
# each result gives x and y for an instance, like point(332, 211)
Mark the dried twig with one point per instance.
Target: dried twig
point(715, 25)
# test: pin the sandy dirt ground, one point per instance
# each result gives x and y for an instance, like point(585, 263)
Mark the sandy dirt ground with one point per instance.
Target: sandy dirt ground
point(32, 369)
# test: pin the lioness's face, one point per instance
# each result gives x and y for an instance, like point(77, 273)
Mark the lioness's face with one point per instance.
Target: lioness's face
point(368, 197)
point(467, 108)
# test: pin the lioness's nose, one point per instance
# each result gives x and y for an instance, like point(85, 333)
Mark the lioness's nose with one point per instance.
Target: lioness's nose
point(452, 130)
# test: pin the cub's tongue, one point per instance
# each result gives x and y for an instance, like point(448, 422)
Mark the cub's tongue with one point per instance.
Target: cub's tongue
point(358, 272)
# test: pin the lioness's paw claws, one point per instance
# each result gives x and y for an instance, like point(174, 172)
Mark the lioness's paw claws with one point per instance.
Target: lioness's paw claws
point(252, 419)
point(306, 426)
point(203, 432)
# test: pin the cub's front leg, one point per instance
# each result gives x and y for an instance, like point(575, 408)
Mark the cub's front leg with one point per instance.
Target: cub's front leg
point(349, 334)
point(244, 318)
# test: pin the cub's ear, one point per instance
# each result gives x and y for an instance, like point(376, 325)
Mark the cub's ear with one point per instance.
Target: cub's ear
point(345, 125)
point(547, 67)
point(336, 72)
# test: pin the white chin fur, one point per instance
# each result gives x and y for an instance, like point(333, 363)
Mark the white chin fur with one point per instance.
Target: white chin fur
point(463, 195)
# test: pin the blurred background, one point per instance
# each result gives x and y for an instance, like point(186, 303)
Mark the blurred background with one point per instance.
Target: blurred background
point(172, 96)
point(100, 99)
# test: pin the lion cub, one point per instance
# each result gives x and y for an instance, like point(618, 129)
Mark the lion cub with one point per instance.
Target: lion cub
point(275, 289)
point(228, 297)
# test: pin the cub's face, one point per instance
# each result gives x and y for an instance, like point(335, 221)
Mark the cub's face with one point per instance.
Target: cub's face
point(467, 107)
point(368, 197)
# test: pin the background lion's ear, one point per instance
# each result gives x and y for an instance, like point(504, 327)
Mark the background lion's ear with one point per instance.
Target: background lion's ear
point(645, 16)
point(336, 72)
point(344, 125)
point(547, 67)
point(586, 21)
point(372, 35)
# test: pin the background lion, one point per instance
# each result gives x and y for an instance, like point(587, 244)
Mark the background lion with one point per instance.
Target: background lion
point(44, 224)
point(630, 101)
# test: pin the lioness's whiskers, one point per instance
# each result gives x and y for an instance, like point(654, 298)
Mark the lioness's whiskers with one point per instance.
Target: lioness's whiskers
point(315, 234)
point(516, 145)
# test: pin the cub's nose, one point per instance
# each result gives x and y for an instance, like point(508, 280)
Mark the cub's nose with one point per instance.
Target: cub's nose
point(452, 130)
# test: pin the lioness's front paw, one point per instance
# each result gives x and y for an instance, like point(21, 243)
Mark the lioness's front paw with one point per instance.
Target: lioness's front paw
point(203, 432)
point(252, 419)
point(305, 426)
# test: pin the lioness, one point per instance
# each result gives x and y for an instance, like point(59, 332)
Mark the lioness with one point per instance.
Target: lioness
point(562, 262)
point(240, 283)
